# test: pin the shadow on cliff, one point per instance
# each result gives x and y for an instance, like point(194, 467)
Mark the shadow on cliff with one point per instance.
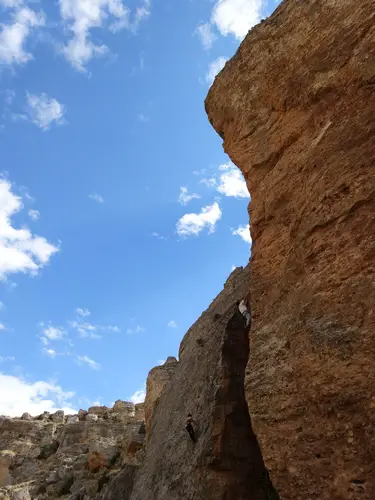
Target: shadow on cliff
point(235, 447)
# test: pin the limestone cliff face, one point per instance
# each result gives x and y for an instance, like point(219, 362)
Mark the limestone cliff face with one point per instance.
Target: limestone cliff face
point(225, 462)
point(295, 108)
point(157, 380)
point(72, 457)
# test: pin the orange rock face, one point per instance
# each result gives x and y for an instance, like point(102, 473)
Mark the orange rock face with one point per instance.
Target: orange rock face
point(296, 110)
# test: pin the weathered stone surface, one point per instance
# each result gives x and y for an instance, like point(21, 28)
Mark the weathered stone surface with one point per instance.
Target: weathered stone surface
point(157, 379)
point(64, 457)
point(296, 110)
point(225, 462)
point(140, 411)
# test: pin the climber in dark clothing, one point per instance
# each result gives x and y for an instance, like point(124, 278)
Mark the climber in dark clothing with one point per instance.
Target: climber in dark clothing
point(190, 428)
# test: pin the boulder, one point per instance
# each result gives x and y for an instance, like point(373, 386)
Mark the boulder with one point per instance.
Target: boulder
point(91, 417)
point(72, 419)
point(58, 417)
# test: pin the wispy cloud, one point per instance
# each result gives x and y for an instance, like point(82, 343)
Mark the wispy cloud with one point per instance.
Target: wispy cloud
point(2, 327)
point(172, 324)
point(49, 352)
point(137, 329)
point(243, 232)
point(45, 111)
point(192, 224)
point(5, 359)
point(141, 117)
point(34, 214)
point(96, 197)
point(206, 34)
point(185, 197)
point(158, 236)
point(88, 361)
point(83, 312)
point(20, 250)
point(214, 69)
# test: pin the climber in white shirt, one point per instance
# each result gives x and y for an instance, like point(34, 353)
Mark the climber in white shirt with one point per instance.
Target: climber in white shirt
point(244, 311)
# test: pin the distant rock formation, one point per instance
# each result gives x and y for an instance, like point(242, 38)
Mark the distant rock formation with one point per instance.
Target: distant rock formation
point(75, 456)
point(295, 108)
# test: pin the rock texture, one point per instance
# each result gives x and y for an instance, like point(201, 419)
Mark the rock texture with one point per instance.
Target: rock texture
point(295, 108)
point(73, 457)
point(208, 381)
point(157, 380)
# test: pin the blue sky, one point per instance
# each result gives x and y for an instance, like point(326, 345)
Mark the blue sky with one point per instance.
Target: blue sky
point(120, 215)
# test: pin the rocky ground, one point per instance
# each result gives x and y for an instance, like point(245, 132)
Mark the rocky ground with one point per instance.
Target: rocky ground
point(69, 457)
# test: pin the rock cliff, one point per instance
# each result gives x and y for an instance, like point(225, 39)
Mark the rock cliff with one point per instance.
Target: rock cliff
point(295, 108)
point(208, 382)
point(291, 403)
point(58, 456)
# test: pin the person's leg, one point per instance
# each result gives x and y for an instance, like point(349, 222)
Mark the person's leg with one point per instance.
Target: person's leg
point(190, 430)
point(248, 318)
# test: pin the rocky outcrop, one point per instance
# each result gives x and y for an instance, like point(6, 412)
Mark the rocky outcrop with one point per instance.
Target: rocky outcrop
point(208, 381)
point(295, 108)
point(72, 457)
point(157, 379)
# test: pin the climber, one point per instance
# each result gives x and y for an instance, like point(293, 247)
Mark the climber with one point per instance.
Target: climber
point(190, 428)
point(244, 311)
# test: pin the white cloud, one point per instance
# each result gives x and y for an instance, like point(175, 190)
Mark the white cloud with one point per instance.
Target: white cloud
point(13, 36)
point(81, 16)
point(172, 324)
point(44, 111)
point(52, 334)
point(49, 352)
point(20, 250)
point(137, 329)
point(18, 396)
point(193, 224)
point(236, 17)
point(1, 305)
point(243, 232)
point(138, 396)
point(2, 327)
point(83, 312)
point(215, 67)
point(185, 197)
point(34, 214)
point(206, 35)
point(96, 197)
point(231, 182)
point(90, 362)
